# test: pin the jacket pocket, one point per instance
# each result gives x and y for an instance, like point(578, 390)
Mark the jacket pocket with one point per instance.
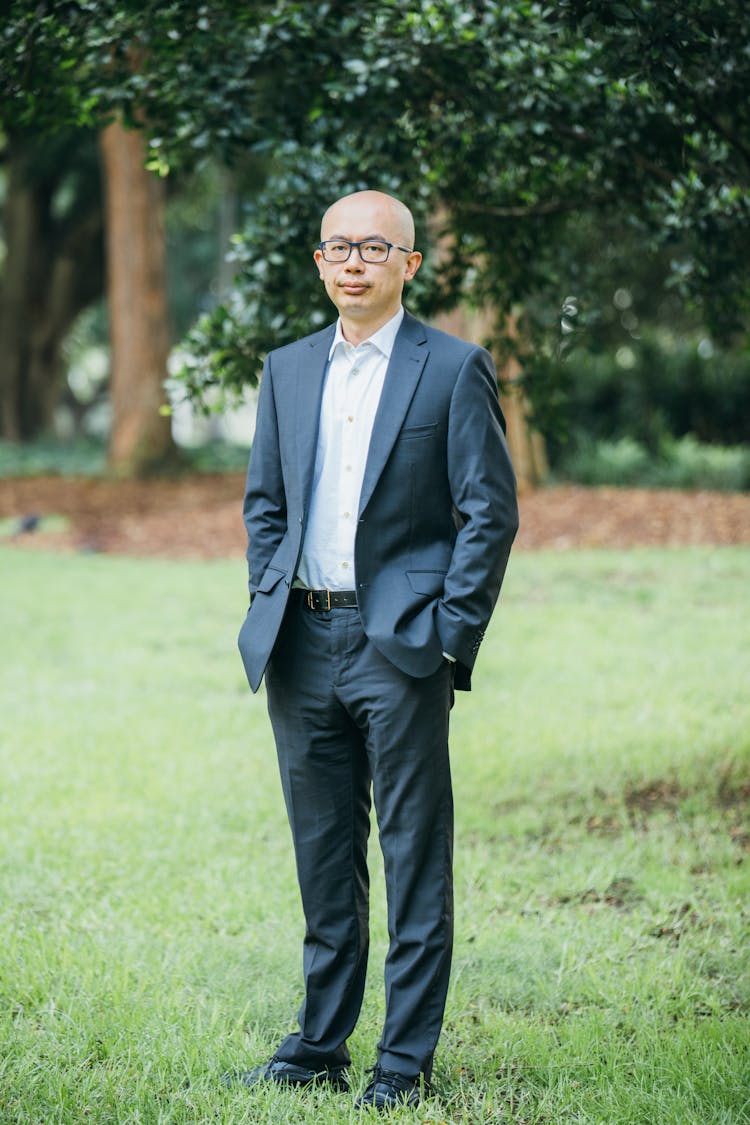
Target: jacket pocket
point(428, 582)
point(271, 578)
point(417, 431)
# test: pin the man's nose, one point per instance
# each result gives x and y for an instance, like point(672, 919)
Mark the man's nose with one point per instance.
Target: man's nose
point(355, 260)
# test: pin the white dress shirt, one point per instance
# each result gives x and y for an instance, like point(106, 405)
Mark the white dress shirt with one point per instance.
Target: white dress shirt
point(354, 382)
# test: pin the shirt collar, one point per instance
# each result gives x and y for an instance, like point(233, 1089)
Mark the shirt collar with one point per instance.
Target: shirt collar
point(383, 339)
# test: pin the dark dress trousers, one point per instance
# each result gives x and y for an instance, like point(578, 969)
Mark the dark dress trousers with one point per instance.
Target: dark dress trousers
point(359, 698)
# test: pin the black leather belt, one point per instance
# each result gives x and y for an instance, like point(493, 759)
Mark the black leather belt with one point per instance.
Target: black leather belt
point(329, 599)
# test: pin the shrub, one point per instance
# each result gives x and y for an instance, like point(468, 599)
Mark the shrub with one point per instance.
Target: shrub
point(649, 411)
point(680, 463)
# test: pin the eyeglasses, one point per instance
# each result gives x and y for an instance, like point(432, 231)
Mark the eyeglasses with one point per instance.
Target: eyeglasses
point(371, 250)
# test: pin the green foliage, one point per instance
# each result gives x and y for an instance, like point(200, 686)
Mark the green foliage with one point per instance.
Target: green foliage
point(216, 457)
point(175, 68)
point(502, 124)
point(687, 65)
point(81, 458)
point(552, 126)
point(648, 392)
point(85, 457)
point(150, 920)
point(682, 463)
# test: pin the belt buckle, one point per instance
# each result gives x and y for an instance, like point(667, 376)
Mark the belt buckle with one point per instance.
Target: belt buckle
point(316, 604)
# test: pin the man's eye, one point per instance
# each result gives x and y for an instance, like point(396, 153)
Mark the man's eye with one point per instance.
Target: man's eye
point(338, 247)
point(374, 248)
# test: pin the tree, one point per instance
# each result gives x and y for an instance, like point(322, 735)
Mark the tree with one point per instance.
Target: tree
point(53, 268)
point(136, 263)
point(86, 63)
point(514, 122)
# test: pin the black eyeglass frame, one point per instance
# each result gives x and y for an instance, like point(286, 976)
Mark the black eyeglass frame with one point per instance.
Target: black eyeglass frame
point(345, 241)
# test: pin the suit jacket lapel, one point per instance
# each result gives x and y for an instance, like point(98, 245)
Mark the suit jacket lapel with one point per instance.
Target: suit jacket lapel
point(311, 370)
point(404, 370)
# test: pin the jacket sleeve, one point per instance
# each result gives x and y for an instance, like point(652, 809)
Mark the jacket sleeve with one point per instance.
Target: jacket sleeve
point(264, 508)
point(483, 491)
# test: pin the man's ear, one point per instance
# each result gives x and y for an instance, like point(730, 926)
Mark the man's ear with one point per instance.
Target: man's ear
point(413, 262)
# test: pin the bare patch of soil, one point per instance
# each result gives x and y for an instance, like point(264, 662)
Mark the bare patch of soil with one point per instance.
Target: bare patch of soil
point(200, 516)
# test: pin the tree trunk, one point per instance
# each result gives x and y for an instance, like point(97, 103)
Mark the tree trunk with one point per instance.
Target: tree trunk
point(526, 445)
point(20, 274)
point(141, 439)
point(52, 270)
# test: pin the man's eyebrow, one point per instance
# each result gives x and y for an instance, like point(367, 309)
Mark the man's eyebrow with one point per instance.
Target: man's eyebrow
point(367, 238)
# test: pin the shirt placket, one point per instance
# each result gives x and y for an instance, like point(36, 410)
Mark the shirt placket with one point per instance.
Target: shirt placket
point(348, 498)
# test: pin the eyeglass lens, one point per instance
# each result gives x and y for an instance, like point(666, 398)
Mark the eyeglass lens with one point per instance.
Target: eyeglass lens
point(339, 250)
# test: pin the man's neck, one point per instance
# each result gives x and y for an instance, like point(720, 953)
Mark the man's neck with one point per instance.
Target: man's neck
point(356, 332)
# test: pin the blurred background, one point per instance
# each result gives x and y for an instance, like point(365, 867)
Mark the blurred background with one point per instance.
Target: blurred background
point(579, 174)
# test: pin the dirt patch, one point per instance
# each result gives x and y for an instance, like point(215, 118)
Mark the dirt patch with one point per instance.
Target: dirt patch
point(186, 517)
point(200, 516)
point(653, 796)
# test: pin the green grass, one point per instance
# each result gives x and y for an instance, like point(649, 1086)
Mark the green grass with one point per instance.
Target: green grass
point(150, 926)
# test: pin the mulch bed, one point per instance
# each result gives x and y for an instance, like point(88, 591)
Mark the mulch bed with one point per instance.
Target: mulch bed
point(200, 516)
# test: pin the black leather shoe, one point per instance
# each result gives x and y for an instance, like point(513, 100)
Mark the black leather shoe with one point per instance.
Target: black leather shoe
point(289, 1074)
point(388, 1090)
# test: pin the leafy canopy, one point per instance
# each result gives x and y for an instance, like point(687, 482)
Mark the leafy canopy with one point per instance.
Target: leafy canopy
point(504, 127)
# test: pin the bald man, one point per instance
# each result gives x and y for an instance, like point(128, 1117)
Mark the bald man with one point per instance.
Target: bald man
point(380, 511)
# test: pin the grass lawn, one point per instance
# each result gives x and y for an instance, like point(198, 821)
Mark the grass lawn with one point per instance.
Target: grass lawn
point(150, 927)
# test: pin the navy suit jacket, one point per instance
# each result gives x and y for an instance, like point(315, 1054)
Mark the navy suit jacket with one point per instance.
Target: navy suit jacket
point(437, 512)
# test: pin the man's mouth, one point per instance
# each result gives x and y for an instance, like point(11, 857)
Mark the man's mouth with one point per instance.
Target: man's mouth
point(354, 286)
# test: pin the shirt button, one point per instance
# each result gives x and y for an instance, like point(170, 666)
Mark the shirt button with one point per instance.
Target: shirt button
point(345, 565)
point(348, 468)
point(346, 515)
point(350, 418)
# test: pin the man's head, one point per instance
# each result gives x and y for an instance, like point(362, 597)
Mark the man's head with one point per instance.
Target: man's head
point(367, 293)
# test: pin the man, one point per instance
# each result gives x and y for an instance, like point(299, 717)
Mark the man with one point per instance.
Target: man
point(380, 511)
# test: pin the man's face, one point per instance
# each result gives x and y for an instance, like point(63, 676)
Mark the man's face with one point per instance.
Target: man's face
point(364, 292)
